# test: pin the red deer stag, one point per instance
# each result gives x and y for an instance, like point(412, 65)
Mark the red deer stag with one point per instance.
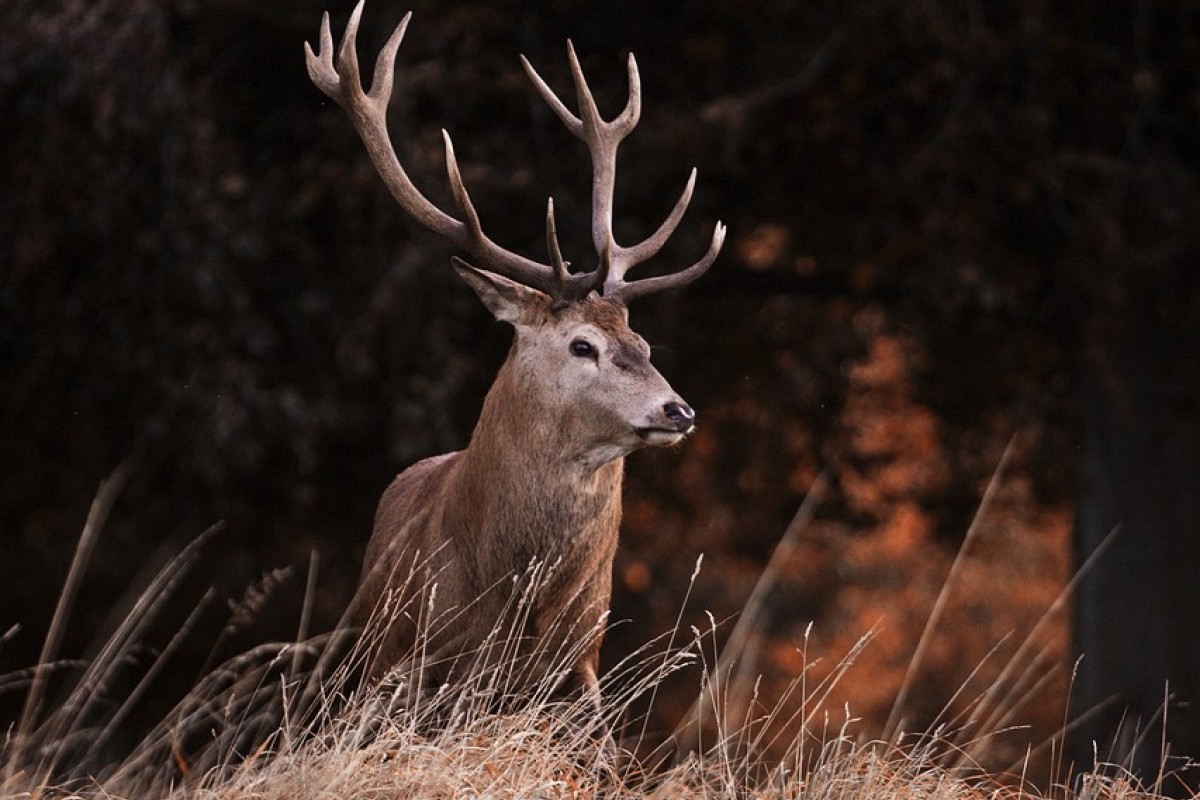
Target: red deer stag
point(540, 480)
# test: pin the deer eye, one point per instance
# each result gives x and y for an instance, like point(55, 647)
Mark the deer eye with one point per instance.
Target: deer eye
point(583, 348)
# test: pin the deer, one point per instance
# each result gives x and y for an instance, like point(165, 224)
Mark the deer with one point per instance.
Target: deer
point(541, 477)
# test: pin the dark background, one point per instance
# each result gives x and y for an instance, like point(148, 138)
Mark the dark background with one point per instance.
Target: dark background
point(950, 223)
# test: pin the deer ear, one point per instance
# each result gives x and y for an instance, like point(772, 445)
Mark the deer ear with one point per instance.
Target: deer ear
point(505, 298)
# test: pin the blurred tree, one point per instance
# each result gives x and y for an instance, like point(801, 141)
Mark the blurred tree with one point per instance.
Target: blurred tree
point(1131, 266)
point(1137, 614)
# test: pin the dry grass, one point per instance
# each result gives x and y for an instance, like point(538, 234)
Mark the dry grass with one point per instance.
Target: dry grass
point(290, 721)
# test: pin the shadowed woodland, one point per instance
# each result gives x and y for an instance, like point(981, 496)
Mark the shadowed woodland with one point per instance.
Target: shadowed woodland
point(952, 225)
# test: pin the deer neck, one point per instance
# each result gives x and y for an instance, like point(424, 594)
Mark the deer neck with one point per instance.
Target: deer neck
point(531, 482)
point(524, 437)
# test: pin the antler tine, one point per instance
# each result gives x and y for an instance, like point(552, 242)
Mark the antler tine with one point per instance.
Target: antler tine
point(627, 291)
point(347, 54)
point(561, 274)
point(649, 248)
point(461, 197)
point(368, 111)
point(572, 122)
point(385, 63)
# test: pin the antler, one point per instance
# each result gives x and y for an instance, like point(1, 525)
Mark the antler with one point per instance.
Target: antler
point(602, 139)
point(368, 111)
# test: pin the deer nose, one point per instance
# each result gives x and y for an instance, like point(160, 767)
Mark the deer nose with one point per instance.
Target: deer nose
point(680, 415)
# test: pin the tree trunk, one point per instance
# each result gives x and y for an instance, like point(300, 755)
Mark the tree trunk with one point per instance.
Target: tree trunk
point(1137, 612)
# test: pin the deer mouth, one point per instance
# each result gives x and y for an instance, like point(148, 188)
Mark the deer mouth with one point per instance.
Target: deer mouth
point(663, 436)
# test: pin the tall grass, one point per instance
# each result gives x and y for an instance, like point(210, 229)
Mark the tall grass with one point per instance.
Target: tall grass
point(290, 720)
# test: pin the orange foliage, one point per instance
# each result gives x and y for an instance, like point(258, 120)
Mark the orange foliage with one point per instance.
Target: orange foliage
point(877, 555)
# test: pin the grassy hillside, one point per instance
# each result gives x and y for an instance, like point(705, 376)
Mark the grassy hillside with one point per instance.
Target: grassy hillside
point(288, 720)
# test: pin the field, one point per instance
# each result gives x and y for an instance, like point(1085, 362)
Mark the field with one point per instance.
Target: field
point(291, 720)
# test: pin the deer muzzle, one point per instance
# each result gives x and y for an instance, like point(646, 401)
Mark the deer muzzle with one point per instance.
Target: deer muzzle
point(678, 420)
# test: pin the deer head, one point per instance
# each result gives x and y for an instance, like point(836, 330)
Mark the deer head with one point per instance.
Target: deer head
point(573, 336)
point(583, 374)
